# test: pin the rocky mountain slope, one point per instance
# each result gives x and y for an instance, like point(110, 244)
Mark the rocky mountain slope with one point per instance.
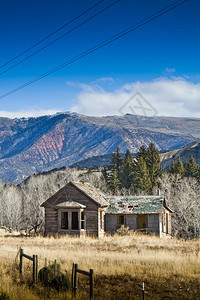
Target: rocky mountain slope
point(33, 145)
point(184, 152)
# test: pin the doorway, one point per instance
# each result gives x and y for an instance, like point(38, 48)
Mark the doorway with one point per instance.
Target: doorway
point(74, 220)
point(142, 221)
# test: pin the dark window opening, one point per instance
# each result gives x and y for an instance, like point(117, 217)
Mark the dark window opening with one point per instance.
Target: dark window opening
point(74, 220)
point(121, 220)
point(82, 220)
point(64, 220)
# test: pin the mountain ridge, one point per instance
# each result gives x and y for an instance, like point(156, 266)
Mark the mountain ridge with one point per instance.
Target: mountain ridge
point(34, 145)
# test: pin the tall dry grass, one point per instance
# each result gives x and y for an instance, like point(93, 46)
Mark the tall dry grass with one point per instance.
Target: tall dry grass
point(138, 256)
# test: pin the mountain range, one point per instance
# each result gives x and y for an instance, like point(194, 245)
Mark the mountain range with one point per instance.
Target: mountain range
point(35, 145)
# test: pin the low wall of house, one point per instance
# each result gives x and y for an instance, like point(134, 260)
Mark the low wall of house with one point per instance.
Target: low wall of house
point(112, 222)
point(92, 222)
point(51, 221)
point(131, 221)
point(153, 223)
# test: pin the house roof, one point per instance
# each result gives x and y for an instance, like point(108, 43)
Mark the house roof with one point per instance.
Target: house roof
point(87, 189)
point(135, 204)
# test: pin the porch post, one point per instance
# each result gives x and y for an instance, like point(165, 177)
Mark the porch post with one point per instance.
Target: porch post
point(79, 220)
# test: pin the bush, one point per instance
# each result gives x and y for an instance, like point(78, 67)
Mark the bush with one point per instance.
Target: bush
point(4, 296)
point(59, 282)
point(123, 230)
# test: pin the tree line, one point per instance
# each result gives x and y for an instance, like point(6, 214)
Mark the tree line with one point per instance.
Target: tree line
point(188, 169)
point(140, 173)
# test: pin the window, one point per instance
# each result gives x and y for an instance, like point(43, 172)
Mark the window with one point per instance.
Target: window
point(75, 220)
point(121, 220)
point(64, 220)
point(82, 220)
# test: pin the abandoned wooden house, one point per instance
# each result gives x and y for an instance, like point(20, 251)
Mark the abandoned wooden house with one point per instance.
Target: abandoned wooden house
point(80, 209)
point(148, 214)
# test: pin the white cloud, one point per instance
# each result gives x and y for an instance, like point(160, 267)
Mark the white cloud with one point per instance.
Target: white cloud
point(170, 70)
point(105, 79)
point(27, 114)
point(170, 97)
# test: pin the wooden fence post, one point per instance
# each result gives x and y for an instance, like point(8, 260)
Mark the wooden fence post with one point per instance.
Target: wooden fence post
point(21, 261)
point(91, 283)
point(72, 280)
point(75, 278)
point(55, 268)
point(34, 268)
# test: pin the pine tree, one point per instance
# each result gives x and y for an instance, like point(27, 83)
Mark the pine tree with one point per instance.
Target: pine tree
point(117, 160)
point(179, 169)
point(153, 164)
point(191, 168)
point(142, 180)
point(172, 168)
point(114, 183)
point(104, 172)
point(127, 170)
point(143, 152)
point(116, 164)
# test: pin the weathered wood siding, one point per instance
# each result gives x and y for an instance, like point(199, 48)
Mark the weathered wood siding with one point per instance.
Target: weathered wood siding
point(165, 223)
point(92, 214)
point(169, 223)
point(111, 223)
point(51, 220)
point(153, 223)
point(101, 219)
point(131, 221)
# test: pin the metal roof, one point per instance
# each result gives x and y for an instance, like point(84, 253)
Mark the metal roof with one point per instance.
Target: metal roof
point(135, 204)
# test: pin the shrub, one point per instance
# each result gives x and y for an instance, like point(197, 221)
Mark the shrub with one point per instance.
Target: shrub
point(123, 230)
point(59, 282)
point(4, 296)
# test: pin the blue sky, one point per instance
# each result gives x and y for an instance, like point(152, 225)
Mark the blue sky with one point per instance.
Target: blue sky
point(160, 60)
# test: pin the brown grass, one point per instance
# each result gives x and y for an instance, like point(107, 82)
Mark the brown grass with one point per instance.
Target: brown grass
point(168, 266)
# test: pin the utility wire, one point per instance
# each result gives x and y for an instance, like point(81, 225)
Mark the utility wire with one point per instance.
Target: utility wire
point(100, 45)
point(54, 32)
point(66, 33)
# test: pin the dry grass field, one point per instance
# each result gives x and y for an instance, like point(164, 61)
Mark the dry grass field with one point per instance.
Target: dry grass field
point(169, 268)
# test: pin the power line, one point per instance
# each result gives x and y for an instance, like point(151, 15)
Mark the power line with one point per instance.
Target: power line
point(66, 33)
point(100, 45)
point(54, 32)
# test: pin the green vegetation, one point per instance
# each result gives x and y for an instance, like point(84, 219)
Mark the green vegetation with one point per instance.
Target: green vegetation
point(140, 174)
point(133, 174)
point(60, 281)
point(188, 169)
